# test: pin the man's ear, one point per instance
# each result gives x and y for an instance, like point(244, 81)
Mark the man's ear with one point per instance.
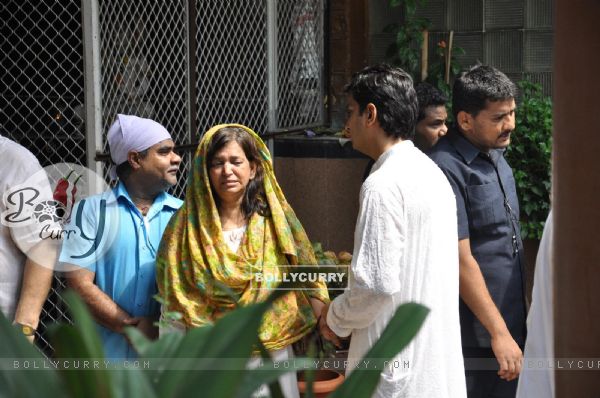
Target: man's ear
point(371, 113)
point(133, 158)
point(465, 121)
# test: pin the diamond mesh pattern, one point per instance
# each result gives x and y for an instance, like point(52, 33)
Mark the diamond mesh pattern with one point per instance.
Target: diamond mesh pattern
point(186, 159)
point(55, 310)
point(300, 63)
point(41, 90)
point(144, 63)
point(232, 77)
point(41, 96)
point(232, 70)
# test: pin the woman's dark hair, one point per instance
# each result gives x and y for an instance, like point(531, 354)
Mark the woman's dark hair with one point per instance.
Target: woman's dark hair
point(254, 197)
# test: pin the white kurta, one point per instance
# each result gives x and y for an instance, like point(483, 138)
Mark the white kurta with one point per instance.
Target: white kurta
point(405, 249)
point(18, 166)
point(538, 380)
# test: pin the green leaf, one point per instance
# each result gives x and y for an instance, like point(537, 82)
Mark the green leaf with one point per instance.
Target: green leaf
point(140, 342)
point(529, 155)
point(401, 329)
point(411, 8)
point(175, 354)
point(26, 382)
point(395, 3)
point(85, 325)
point(227, 339)
point(458, 51)
point(81, 340)
point(536, 190)
point(400, 37)
point(131, 383)
point(255, 378)
point(70, 344)
point(232, 337)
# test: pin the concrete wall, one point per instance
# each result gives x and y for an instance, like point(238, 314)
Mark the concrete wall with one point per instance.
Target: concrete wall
point(324, 195)
point(515, 36)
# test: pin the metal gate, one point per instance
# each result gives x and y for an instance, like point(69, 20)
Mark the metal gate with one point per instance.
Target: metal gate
point(42, 96)
point(188, 64)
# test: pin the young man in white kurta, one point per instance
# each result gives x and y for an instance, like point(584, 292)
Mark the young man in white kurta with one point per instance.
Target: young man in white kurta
point(404, 250)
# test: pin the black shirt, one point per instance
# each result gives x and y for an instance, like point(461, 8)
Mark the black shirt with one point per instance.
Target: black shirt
point(488, 214)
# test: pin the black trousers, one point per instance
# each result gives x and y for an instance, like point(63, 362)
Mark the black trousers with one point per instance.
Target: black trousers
point(485, 383)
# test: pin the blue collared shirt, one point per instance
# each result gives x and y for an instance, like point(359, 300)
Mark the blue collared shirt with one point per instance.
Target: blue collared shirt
point(112, 239)
point(488, 215)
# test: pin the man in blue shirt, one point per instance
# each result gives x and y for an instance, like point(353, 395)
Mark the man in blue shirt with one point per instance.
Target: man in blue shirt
point(119, 231)
point(492, 306)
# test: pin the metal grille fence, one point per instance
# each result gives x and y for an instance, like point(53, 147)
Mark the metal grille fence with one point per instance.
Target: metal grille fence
point(232, 71)
point(144, 64)
point(41, 96)
point(300, 63)
point(41, 99)
point(266, 71)
point(188, 64)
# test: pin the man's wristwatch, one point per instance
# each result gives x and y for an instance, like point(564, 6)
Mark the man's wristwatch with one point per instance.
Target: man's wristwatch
point(26, 329)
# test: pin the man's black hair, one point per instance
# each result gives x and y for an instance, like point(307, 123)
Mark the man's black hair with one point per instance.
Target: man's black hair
point(391, 91)
point(480, 84)
point(428, 95)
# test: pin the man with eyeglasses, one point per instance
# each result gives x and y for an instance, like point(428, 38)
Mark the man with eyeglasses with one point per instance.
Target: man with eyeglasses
point(112, 258)
point(471, 155)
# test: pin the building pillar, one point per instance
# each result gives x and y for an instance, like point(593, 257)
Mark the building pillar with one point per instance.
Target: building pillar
point(576, 193)
point(348, 50)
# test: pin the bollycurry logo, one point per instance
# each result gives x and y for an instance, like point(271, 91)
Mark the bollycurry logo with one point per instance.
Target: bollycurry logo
point(52, 207)
point(300, 277)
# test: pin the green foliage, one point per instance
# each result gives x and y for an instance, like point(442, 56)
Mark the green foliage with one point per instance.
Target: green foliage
point(333, 263)
point(405, 51)
point(437, 66)
point(529, 155)
point(407, 321)
point(172, 375)
point(69, 342)
point(437, 72)
point(23, 383)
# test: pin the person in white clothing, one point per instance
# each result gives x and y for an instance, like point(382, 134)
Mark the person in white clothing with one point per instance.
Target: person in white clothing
point(24, 282)
point(404, 243)
point(539, 346)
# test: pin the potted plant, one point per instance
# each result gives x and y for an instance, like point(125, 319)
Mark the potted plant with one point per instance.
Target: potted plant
point(324, 382)
point(231, 338)
point(313, 345)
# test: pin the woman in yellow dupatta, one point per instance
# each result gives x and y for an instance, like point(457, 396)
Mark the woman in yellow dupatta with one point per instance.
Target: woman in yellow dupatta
point(235, 222)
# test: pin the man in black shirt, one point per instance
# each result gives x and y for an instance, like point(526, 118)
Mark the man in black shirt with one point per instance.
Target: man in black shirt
point(492, 306)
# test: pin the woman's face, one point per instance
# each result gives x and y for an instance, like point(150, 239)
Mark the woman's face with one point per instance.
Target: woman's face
point(230, 172)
